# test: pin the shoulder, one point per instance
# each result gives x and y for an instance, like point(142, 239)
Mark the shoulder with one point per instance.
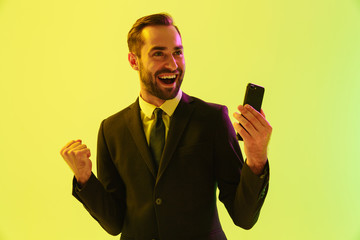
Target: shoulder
point(204, 106)
point(122, 116)
point(204, 112)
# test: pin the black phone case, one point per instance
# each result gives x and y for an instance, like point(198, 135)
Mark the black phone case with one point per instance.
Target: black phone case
point(253, 96)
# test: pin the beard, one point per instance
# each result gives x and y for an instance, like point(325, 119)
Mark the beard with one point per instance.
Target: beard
point(151, 84)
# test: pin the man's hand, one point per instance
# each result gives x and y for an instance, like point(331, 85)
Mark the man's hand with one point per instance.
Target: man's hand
point(256, 132)
point(76, 155)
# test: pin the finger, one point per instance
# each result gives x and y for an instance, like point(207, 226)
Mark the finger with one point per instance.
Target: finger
point(243, 121)
point(259, 116)
point(263, 126)
point(74, 145)
point(262, 113)
point(68, 150)
point(247, 121)
point(85, 152)
point(77, 148)
point(66, 146)
point(237, 116)
point(247, 125)
point(70, 143)
point(240, 107)
point(242, 131)
point(250, 114)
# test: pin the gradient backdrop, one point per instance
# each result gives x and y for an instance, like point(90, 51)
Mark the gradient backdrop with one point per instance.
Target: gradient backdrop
point(63, 68)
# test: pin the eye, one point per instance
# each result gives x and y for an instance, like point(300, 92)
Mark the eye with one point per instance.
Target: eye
point(178, 53)
point(158, 54)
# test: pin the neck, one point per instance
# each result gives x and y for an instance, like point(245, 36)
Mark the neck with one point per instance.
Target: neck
point(151, 99)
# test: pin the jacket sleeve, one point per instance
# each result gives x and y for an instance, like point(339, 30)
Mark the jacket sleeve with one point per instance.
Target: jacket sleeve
point(104, 197)
point(242, 192)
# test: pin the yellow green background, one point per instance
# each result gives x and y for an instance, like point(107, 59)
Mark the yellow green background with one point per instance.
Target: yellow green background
point(63, 68)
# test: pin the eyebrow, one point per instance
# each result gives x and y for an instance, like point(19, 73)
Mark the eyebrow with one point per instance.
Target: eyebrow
point(164, 48)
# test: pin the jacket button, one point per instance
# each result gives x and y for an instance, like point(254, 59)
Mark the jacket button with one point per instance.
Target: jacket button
point(158, 201)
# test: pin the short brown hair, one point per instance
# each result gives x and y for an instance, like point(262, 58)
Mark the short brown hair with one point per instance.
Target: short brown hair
point(135, 40)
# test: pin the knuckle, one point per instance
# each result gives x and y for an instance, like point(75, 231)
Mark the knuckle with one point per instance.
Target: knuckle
point(66, 152)
point(242, 131)
point(250, 117)
point(247, 125)
point(77, 154)
point(70, 153)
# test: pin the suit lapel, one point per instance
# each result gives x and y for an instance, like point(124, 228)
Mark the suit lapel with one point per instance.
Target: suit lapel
point(178, 122)
point(136, 129)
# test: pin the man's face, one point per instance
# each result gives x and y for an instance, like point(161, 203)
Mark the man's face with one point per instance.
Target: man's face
point(162, 64)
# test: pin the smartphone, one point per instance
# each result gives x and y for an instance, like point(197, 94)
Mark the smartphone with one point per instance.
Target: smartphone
point(253, 96)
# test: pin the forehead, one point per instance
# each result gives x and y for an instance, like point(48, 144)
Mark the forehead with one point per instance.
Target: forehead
point(163, 36)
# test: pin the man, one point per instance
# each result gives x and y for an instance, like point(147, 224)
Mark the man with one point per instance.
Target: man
point(160, 159)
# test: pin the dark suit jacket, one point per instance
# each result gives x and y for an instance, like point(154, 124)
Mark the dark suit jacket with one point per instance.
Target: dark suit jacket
point(201, 154)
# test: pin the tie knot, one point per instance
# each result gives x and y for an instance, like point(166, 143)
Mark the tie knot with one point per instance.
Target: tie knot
point(158, 113)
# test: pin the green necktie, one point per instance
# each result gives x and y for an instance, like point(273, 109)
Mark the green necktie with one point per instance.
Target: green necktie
point(157, 137)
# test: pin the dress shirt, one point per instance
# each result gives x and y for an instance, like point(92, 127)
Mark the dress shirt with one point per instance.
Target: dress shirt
point(148, 117)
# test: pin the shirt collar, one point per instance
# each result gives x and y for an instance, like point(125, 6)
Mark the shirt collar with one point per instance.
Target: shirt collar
point(168, 106)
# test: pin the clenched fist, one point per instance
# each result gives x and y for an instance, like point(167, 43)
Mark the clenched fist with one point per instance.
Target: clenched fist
point(76, 155)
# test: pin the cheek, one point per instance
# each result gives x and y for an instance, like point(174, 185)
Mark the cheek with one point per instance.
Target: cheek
point(149, 69)
point(155, 68)
point(181, 63)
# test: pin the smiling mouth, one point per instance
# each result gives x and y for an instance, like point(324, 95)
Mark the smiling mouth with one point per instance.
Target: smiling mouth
point(168, 79)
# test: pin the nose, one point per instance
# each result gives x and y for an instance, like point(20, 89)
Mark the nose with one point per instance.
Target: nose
point(171, 63)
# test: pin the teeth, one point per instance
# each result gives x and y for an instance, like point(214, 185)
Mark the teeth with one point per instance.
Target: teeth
point(168, 77)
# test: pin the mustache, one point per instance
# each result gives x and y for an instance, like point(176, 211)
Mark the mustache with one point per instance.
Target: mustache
point(161, 71)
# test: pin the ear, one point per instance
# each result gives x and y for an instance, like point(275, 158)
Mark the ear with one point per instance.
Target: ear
point(133, 60)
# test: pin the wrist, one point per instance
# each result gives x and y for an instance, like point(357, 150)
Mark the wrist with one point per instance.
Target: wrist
point(81, 181)
point(256, 167)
